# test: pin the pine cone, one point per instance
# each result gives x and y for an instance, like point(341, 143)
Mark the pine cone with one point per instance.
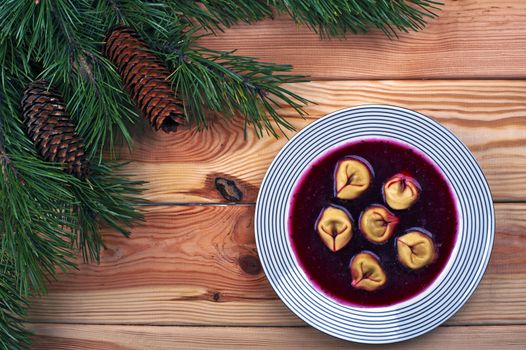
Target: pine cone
point(146, 78)
point(50, 129)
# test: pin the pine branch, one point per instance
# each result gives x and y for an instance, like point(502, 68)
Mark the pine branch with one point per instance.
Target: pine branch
point(12, 309)
point(339, 17)
point(41, 223)
point(98, 104)
point(335, 18)
point(220, 81)
point(34, 227)
point(214, 14)
point(104, 200)
point(143, 16)
point(33, 200)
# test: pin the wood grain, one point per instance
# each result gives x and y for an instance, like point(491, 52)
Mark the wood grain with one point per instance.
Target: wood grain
point(470, 39)
point(197, 265)
point(82, 337)
point(489, 116)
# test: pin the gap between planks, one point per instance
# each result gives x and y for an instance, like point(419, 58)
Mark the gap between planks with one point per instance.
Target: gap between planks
point(74, 324)
point(83, 337)
point(304, 325)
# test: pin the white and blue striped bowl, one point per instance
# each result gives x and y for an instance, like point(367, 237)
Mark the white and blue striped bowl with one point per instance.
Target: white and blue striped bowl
point(451, 289)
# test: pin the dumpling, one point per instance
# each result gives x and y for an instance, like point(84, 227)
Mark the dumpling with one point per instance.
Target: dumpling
point(377, 223)
point(415, 249)
point(401, 191)
point(353, 177)
point(366, 272)
point(334, 227)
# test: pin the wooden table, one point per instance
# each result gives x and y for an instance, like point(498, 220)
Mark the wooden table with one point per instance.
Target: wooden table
point(189, 278)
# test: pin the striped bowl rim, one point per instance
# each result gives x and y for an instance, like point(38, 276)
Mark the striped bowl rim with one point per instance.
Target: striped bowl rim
point(464, 269)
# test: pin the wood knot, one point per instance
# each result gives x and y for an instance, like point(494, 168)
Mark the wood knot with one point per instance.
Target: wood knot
point(228, 189)
point(216, 296)
point(250, 264)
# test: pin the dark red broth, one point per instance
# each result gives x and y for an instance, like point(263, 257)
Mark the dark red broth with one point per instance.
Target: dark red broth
point(435, 211)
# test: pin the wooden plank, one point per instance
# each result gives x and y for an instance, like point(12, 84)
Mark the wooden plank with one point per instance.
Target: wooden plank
point(97, 337)
point(197, 265)
point(470, 39)
point(489, 116)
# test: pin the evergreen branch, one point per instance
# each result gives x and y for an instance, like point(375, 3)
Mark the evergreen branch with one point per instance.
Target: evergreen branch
point(41, 222)
point(216, 81)
point(214, 14)
point(12, 309)
point(143, 16)
point(99, 105)
point(104, 199)
point(334, 18)
point(339, 17)
point(34, 228)
point(220, 81)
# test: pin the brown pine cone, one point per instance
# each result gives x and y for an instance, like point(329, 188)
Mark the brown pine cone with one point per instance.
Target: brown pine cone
point(51, 130)
point(146, 78)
